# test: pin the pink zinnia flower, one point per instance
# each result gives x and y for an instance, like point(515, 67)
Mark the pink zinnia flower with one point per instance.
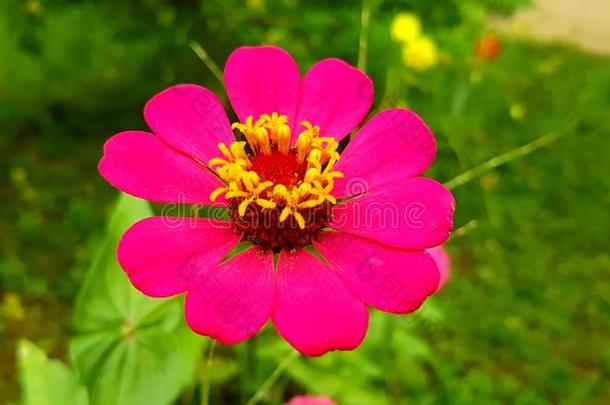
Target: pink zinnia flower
point(287, 186)
point(309, 400)
point(443, 263)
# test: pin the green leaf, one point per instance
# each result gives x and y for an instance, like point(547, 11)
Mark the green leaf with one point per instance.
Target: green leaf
point(45, 381)
point(129, 348)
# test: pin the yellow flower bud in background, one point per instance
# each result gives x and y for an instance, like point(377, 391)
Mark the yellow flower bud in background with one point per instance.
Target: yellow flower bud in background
point(406, 27)
point(420, 54)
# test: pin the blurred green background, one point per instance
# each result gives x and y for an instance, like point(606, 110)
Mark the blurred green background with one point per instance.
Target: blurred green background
point(524, 318)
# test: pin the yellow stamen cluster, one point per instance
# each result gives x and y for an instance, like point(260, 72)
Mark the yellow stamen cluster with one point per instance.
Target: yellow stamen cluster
point(315, 154)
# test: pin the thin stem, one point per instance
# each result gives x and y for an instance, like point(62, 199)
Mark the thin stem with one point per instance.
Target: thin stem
point(205, 378)
point(273, 377)
point(465, 229)
point(500, 160)
point(205, 58)
point(365, 18)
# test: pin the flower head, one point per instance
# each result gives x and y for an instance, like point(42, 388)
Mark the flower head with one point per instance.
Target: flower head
point(406, 27)
point(420, 54)
point(289, 189)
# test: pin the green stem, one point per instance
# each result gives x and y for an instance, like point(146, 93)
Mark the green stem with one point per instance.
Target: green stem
point(273, 377)
point(365, 19)
point(205, 58)
point(205, 378)
point(500, 160)
point(464, 229)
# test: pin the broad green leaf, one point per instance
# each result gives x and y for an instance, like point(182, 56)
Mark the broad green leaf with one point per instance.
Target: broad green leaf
point(129, 348)
point(45, 381)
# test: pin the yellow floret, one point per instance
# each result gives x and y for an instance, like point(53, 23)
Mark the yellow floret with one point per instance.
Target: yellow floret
point(268, 133)
point(406, 27)
point(420, 54)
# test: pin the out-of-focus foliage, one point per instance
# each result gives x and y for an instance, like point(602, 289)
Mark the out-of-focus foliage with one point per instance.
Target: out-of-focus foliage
point(129, 349)
point(524, 317)
point(47, 381)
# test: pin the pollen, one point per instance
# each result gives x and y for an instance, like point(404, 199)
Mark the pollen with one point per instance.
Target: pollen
point(289, 184)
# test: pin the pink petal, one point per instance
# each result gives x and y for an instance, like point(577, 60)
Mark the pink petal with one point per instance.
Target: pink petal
point(416, 213)
point(162, 255)
point(386, 278)
point(139, 164)
point(191, 119)
point(314, 311)
point(310, 400)
point(336, 96)
point(395, 144)
point(234, 300)
point(443, 262)
point(262, 80)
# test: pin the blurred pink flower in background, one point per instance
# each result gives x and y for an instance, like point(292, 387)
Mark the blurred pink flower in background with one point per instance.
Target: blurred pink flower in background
point(309, 400)
point(443, 263)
